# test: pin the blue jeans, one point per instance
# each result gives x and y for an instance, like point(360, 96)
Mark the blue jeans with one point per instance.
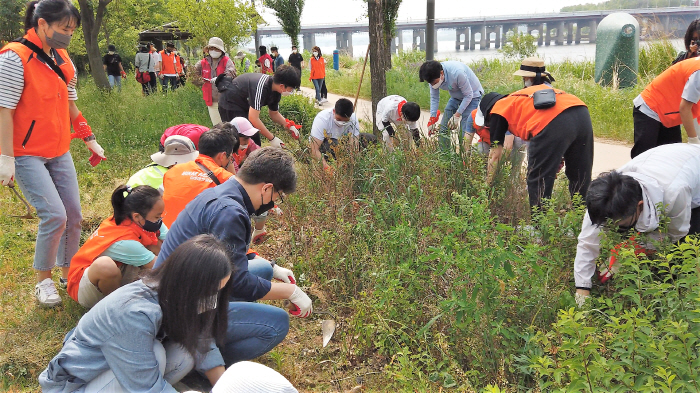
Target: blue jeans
point(115, 79)
point(169, 79)
point(465, 124)
point(254, 328)
point(51, 186)
point(318, 83)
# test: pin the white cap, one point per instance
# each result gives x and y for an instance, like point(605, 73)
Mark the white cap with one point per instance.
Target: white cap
point(176, 150)
point(479, 118)
point(216, 42)
point(252, 377)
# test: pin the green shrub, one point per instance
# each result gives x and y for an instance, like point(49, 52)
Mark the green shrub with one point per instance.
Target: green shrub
point(655, 57)
point(519, 45)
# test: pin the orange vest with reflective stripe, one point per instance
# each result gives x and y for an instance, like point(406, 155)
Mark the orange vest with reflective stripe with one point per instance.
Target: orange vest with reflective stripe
point(41, 123)
point(524, 121)
point(107, 234)
point(663, 94)
point(183, 182)
point(483, 132)
point(168, 60)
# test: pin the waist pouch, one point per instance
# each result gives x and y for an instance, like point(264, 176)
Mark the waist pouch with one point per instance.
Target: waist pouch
point(543, 99)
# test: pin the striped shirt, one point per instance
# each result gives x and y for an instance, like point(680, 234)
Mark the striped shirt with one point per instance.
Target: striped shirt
point(252, 90)
point(12, 80)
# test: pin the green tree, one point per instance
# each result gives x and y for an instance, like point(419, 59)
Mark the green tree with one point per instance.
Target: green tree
point(390, 11)
point(11, 18)
point(288, 13)
point(234, 21)
point(91, 18)
point(519, 45)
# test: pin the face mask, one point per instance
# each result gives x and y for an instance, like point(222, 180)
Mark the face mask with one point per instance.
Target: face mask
point(315, 54)
point(243, 147)
point(111, 52)
point(215, 54)
point(294, 51)
point(151, 226)
point(340, 123)
point(265, 206)
point(439, 83)
point(527, 82)
point(286, 93)
point(208, 304)
point(58, 40)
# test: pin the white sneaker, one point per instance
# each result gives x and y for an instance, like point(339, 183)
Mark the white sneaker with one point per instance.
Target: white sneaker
point(46, 293)
point(323, 100)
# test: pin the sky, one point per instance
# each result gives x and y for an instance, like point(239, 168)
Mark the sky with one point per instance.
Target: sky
point(351, 11)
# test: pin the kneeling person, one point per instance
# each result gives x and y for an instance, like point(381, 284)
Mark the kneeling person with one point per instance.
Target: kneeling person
point(130, 238)
point(394, 111)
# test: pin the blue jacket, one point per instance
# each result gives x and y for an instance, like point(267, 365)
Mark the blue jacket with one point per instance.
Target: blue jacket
point(223, 211)
point(117, 334)
point(462, 84)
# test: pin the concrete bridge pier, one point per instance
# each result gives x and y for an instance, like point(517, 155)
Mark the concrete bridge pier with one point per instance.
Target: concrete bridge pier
point(592, 32)
point(578, 33)
point(484, 42)
point(462, 43)
point(309, 41)
point(569, 33)
point(419, 39)
point(547, 34)
point(343, 42)
point(539, 28)
point(504, 34)
point(559, 39)
point(487, 33)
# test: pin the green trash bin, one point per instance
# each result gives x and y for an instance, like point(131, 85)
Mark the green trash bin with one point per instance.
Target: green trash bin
point(617, 50)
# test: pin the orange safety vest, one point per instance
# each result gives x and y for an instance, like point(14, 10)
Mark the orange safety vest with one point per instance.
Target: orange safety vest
point(524, 121)
point(41, 123)
point(168, 63)
point(318, 67)
point(106, 234)
point(178, 65)
point(663, 94)
point(483, 132)
point(183, 182)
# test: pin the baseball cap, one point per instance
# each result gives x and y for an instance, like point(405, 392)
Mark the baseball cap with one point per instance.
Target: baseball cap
point(487, 102)
point(243, 126)
point(177, 149)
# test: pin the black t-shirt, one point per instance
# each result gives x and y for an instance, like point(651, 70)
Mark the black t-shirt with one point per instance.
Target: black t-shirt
point(498, 126)
point(252, 90)
point(112, 62)
point(295, 60)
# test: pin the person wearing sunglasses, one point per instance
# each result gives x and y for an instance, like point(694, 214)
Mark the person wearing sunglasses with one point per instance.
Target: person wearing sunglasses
point(628, 199)
point(267, 176)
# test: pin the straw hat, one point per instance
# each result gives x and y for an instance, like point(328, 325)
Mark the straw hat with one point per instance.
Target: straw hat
point(530, 67)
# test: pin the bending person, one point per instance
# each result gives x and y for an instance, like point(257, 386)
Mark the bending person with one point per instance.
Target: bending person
point(148, 335)
point(329, 126)
point(122, 245)
point(224, 211)
point(394, 111)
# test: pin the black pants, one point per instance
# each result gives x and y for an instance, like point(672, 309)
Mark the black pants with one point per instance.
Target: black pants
point(229, 114)
point(649, 133)
point(150, 86)
point(324, 90)
point(569, 135)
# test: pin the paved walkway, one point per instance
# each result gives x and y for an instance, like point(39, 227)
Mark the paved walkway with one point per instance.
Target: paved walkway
point(607, 156)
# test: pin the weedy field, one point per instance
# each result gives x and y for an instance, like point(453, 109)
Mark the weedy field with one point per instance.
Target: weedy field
point(436, 280)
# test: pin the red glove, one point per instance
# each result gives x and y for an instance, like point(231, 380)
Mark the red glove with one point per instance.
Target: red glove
point(431, 124)
point(293, 128)
point(81, 127)
point(123, 74)
point(613, 267)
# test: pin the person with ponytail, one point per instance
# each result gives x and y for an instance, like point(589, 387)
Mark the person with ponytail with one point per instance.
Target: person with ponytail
point(37, 108)
point(124, 244)
point(147, 335)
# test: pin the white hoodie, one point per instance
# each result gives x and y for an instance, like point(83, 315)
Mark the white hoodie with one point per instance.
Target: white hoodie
point(668, 174)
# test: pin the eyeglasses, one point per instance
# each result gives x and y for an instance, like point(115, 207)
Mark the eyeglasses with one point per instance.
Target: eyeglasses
point(281, 195)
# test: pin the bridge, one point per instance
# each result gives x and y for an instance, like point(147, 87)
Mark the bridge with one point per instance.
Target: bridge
point(558, 28)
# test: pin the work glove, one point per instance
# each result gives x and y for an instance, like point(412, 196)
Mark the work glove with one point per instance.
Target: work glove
point(386, 137)
point(432, 124)
point(282, 274)
point(302, 304)
point(81, 127)
point(98, 153)
point(7, 169)
point(580, 299)
point(454, 121)
point(123, 74)
point(328, 170)
point(276, 210)
point(693, 140)
point(293, 128)
point(607, 273)
point(277, 142)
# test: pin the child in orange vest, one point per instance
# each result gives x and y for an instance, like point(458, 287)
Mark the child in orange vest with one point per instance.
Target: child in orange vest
point(131, 237)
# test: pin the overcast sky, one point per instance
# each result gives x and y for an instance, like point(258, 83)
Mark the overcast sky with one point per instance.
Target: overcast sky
point(349, 11)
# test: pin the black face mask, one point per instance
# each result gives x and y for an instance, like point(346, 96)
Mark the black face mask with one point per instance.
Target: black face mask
point(265, 206)
point(151, 226)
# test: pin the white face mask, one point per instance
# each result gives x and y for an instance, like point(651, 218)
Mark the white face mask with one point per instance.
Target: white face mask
point(215, 54)
point(340, 123)
point(315, 54)
point(286, 93)
point(527, 82)
point(111, 52)
point(294, 51)
point(439, 83)
point(242, 147)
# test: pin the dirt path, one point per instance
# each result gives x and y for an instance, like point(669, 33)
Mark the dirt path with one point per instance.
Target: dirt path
point(607, 156)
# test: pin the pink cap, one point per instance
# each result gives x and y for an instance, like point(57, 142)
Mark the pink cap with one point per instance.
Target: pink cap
point(244, 127)
point(191, 131)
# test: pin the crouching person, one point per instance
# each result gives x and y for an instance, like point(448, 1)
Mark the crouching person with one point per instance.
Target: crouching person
point(122, 245)
point(393, 111)
point(149, 334)
point(224, 211)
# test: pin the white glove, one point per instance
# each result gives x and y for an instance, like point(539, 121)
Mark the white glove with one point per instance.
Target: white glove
point(283, 274)
point(294, 131)
point(95, 148)
point(580, 299)
point(7, 169)
point(454, 121)
point(276, 210)
point(693, 140)
point(385, 136)
point(303, 304)
point(277, 142)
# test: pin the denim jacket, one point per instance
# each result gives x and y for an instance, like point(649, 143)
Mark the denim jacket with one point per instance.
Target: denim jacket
point(117, 334)
point(462, 84)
